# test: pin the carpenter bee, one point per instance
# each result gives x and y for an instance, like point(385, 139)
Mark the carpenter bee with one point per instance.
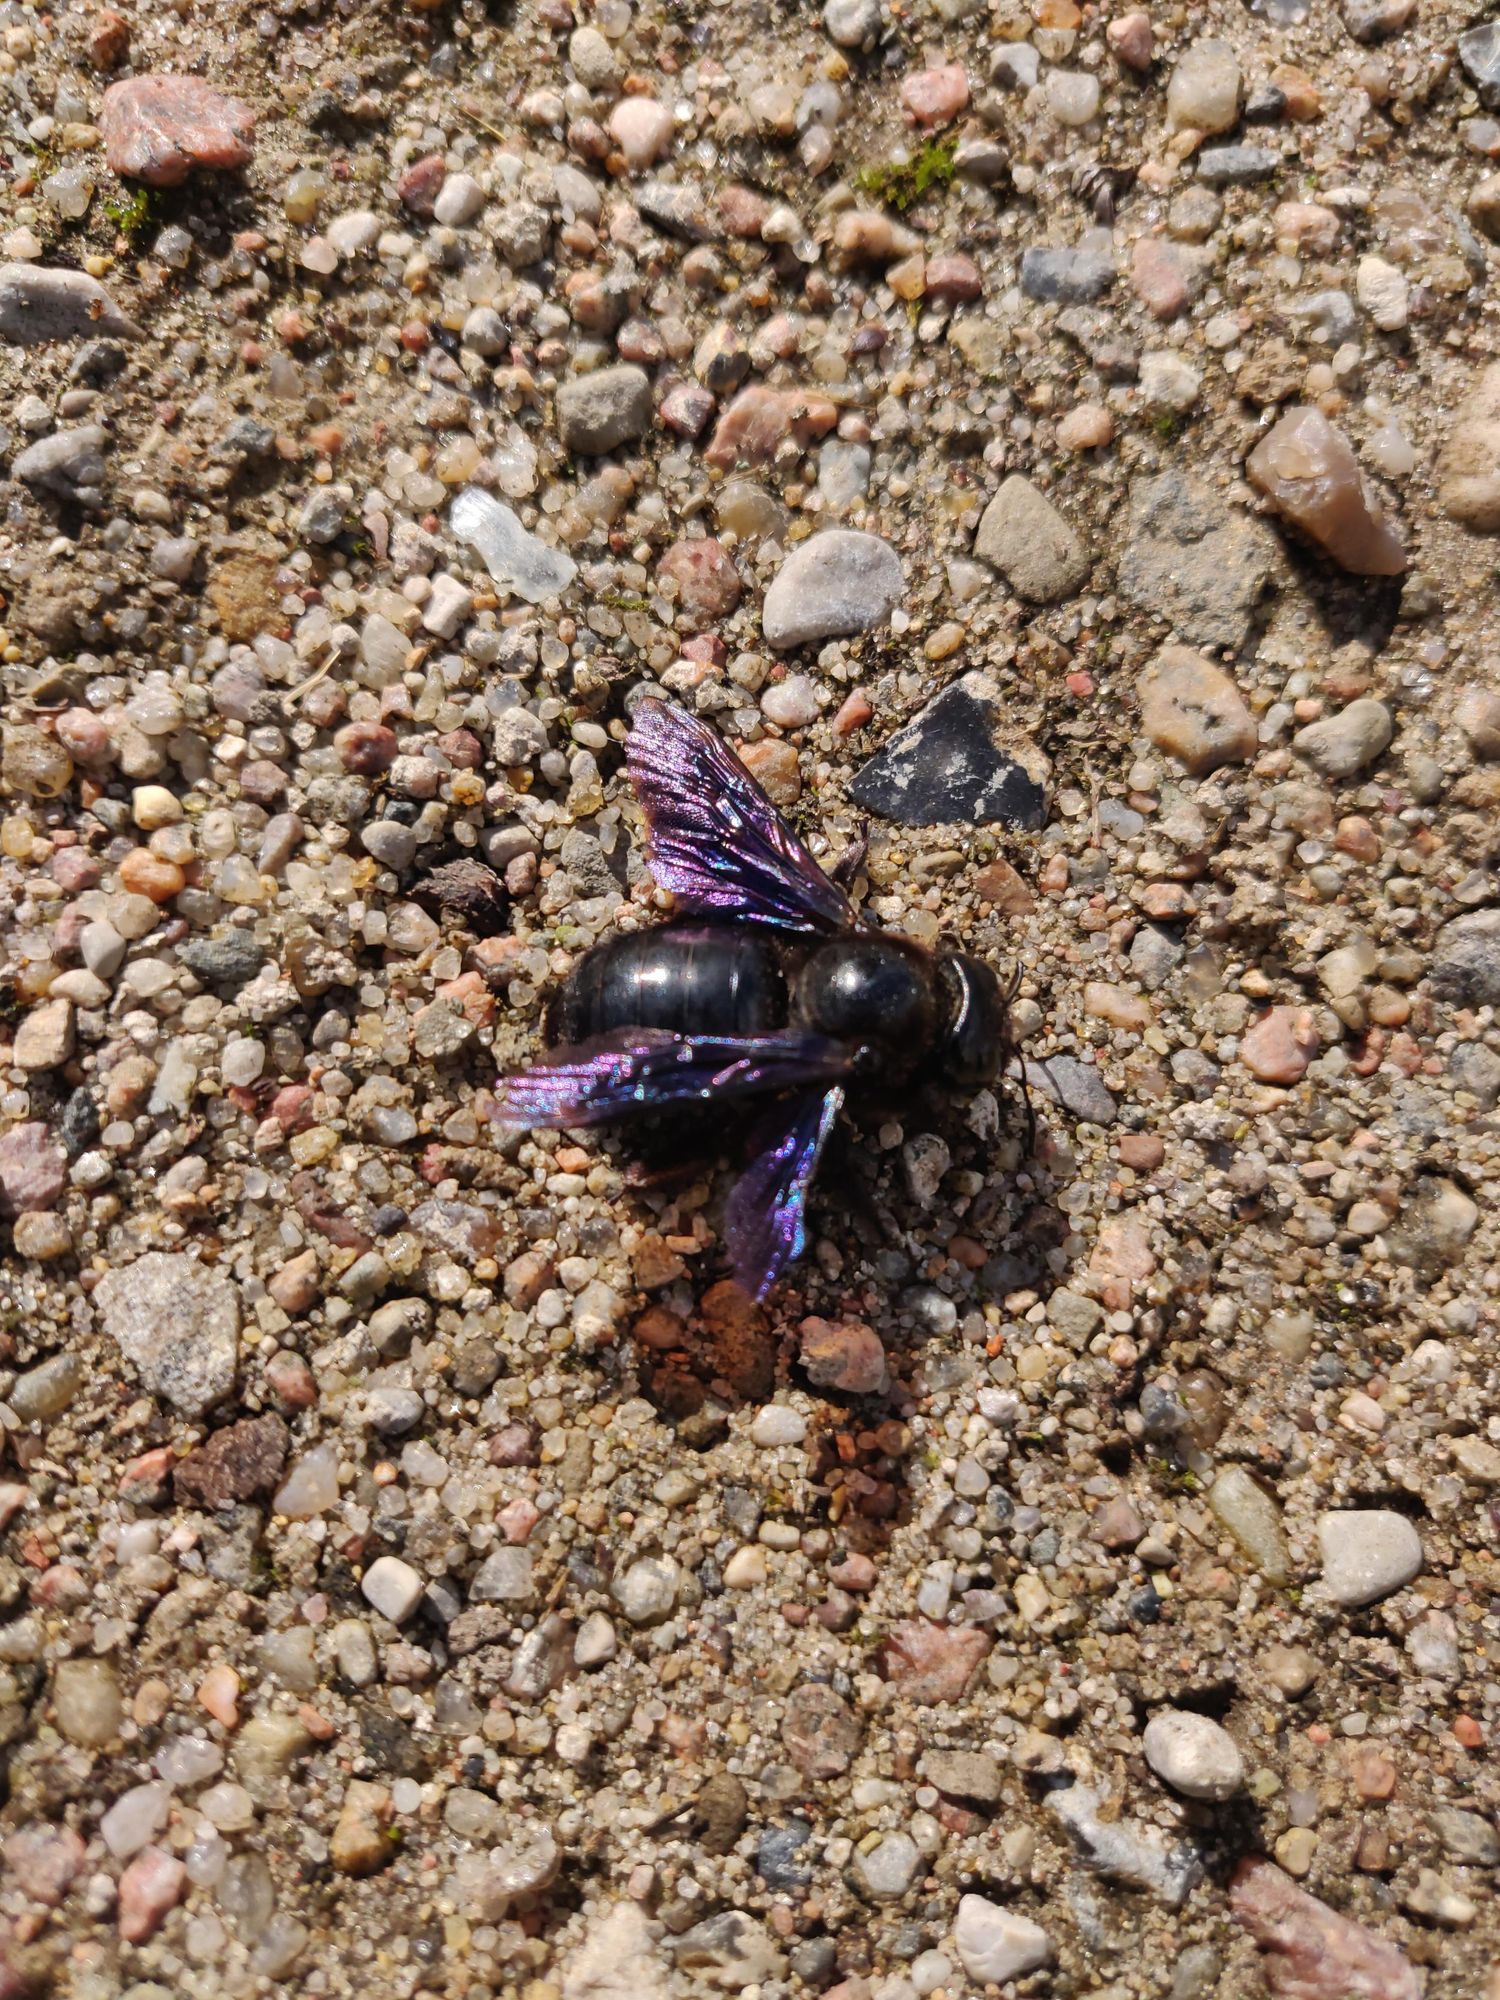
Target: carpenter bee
point(766, 983)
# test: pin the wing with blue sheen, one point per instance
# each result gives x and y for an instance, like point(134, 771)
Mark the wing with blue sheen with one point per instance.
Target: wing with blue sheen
point(716, 842)
point(636, 1070)
point(765, 1217)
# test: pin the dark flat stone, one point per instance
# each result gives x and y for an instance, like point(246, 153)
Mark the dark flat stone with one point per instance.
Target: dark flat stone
point(949, 765)
point(1067, 275)
point(231, 960)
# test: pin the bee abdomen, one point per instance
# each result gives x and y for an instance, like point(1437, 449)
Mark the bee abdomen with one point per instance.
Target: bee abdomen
point(689, 980)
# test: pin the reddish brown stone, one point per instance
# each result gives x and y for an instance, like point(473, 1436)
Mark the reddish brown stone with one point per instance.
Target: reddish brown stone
point(820, 1731)
point(157, 129)
point(707, 584)
point(1144, 1151)
point(952, 279)
point(760, 417)
point(843, 1355)
point(931, 1663)
point(999, 884)
point(109, 39)
point(237, 1463)
point(418, 187)
point(1313, 1953)
point(366, 747)
point(261, 781)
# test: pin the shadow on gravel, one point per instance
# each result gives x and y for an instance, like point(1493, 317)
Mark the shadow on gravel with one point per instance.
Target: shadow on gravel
point(1348, 608)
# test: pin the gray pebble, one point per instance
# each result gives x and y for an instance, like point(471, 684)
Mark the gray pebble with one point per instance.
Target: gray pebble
point(1064, 276)
point(884, 1873)
point(608, 408)
point(833, 584)
point(40, 304)
point(1341, 745)
point(389, 843)
point(177, 1323)
point(1466, 963)
point(230, 961)
point(1076, 1086)
point(1367, 1553)
point(1236, 166)
point(647, 1591)
point(852, 23)
point(1030, 543)
point(69, 464)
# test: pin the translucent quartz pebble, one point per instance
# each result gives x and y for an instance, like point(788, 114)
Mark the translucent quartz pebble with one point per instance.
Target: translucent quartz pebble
point(511, 553)
point(1307, 469)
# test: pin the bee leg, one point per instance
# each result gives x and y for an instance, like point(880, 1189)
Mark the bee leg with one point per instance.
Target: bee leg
point(1020, 1070)
point(663, 1179)
point(845, 870)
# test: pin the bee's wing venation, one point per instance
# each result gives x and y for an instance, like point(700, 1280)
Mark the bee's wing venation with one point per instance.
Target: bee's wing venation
point(764, 1218)
point(641, 1069)
point(716, 841)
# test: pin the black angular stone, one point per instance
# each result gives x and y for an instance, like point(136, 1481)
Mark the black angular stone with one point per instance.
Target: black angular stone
point(228, 961)
point(948, 765)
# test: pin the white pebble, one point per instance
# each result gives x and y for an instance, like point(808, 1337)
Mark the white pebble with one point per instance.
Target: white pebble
point(1193, 1754)
point(777, 1424)
point(996, 1944)
point(393, 1587)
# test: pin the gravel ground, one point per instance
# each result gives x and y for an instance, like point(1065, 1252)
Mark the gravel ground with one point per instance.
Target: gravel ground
point(1072, 440)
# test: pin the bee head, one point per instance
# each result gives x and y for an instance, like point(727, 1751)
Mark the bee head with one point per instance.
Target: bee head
point(973, 1038)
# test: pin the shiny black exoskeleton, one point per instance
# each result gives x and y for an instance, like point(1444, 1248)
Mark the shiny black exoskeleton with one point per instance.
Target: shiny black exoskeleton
point(769, 987)
point(913, 1015)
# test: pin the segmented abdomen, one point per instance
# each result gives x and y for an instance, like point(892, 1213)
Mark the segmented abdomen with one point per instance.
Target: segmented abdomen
point(692, 979)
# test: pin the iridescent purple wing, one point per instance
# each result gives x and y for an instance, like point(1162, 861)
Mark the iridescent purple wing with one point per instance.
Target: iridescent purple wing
point(716, 841)
point(764, 1218)
point(638, 1069)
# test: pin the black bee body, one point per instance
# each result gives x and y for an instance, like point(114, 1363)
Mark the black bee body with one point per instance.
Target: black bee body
point(770, 987)
point(690, 979)
point(907, 1011)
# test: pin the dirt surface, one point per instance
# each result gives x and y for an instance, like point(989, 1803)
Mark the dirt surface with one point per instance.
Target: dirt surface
point(424, 1572)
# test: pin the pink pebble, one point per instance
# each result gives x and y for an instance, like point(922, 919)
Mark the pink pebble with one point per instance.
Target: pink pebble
point(150, 1887)
point(516, 1521)
point(42, 1861)
point(936, 96)
point(1131, 41)
point(83, 735)
point(1281, 1044)
point(67, 932)
point(73, 869)
point(642, 129)
point(158, 128)
point(418, 186)
point(854, 714)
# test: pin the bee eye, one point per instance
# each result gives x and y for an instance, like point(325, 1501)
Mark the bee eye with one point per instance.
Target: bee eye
point(976, 1032)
